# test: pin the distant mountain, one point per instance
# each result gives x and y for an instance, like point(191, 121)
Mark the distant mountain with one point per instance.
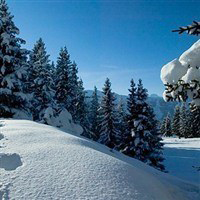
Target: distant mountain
point(161, 108)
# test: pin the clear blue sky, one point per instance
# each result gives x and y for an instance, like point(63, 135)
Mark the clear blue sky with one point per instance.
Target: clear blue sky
point(116, 39)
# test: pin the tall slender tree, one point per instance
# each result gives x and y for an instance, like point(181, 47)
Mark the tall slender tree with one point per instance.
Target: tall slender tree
point(155, 157)
point(13, 65)
point(63, 87)
point(74, 93)
point(194, 122)
point(184, 129)
point(168, 126)
point(40, 80)
point(108, 131)
point(94, 115)
point(176, 122)
point(128, 139)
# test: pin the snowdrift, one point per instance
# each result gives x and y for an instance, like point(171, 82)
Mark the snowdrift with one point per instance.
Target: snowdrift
point(41, 162)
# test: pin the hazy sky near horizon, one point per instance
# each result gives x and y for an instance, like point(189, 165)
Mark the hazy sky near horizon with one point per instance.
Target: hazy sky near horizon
point(116, 39)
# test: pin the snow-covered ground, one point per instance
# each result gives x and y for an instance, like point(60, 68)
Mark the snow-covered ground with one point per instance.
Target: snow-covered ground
point(40, 162)
point(183, 158)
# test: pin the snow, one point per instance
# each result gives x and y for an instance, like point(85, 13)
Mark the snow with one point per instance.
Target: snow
point(42, 162)
point(180, 71)
point(182, 158)
point(191, 56)
point(172, 72)
point(185, 68)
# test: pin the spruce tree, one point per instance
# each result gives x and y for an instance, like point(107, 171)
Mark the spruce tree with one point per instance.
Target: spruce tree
point(94, 115)
point(121, 116)
point(155, 157)
point(108, 132)
point(13, 65)
point(176, 122)
point(40, 81)
point(194, 122)
point(128, 140)
point(162, 126)
point(74, 92)
point(81, 115)
point(168, 128)
point(63, 87)
point(184, 129)
point(141, 127)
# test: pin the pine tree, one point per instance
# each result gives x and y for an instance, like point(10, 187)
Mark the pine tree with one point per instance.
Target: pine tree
point(176, 122)
point(155, 157)
point(194, 122)
point(74, 85)
point(94, 115)
point(141, 128)
point(128, 139)
point(63, 87)
point(184, 129)
point(81, 115)
point(162, 126)
point(168, 128)
point(121, 116)
point(13, 65)
point(40, 81)
point(108, 132)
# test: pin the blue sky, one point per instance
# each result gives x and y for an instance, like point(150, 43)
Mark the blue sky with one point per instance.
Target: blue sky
point(116, 39)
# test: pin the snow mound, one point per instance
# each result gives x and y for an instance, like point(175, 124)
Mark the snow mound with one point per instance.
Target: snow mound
point(172, 72)
point(191, 56)
point(185, 68)
point(58, 165)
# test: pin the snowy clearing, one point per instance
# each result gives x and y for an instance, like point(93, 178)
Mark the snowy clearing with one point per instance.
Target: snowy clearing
point(57, 165)
point(182, 158)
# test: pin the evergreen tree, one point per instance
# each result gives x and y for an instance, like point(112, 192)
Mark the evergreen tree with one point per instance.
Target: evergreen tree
point(141, 127)
point(168, 128)
point(176, 122)
point(121, 116)
point(108, 132)
point(162, 126)
point(74, 85)
point(13, 65)
point(94, 115)
point(154, 141)
point(81, 115)
point(63, 87)
point(184, 129)
point(40, 81)
point(194, 122)
point(128, 139)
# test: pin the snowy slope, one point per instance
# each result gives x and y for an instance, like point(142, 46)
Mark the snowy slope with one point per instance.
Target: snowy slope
point(41, 162)
point(183, 158)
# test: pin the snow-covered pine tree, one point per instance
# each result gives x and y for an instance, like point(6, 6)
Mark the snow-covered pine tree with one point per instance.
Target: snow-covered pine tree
point(94, 115)
point(74, 85)
point(194, 122)
point(162, 126)
point(40, 81)
point(142, 131)
point(108, 131)
point(13, 65)
point(184, 129)
point(168, 126)
point(81, 116)
point(127, 146)
point(176, 122)
point(122, 125)
point(63, 87)
point(155, 157)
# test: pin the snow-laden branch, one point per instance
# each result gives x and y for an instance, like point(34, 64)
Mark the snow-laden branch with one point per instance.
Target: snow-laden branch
point(193, 29)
